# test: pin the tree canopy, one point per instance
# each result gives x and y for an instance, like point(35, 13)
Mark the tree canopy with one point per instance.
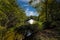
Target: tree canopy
point(13, 21)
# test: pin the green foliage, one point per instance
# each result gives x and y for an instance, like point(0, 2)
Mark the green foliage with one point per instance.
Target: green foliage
point(10, 10)
point(11, 16)
point(49, 15)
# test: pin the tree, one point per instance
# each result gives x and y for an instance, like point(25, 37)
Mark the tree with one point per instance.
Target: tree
point(14, 14)
point(11, 16)
point(49, 14)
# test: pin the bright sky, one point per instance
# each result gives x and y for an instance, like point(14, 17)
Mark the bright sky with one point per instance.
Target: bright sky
point(31, 21)
point(29, 10)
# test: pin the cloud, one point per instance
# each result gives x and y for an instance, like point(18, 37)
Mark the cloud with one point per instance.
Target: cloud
point(29, 10)
point(35, 2)
point(30, 13)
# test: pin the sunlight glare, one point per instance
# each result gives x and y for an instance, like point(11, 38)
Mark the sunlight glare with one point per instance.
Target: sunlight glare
point(31, 21)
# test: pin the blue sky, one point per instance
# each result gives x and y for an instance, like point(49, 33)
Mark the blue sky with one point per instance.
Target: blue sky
point(29, 10)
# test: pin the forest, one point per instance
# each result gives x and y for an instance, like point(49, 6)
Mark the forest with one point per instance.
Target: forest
point(14, 25)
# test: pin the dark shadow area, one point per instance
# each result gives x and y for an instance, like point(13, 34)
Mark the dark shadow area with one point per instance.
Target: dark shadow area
point(28, 31)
